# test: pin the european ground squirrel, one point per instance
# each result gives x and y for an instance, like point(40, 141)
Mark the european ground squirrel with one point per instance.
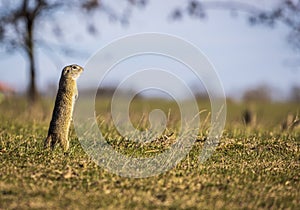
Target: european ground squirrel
point(63, 109)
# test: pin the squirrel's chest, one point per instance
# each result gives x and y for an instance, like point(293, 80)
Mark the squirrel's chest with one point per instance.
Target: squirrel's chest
point(72, 95)
point(68, 94)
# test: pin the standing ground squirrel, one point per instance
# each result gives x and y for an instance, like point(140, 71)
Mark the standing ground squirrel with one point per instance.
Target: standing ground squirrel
point(63, 109)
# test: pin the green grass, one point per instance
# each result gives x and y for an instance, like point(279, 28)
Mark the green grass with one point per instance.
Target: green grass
point(253, 167)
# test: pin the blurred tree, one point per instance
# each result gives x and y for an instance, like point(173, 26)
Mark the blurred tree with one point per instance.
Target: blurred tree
point(295, 94)
point(19, 20)
point(19, 24)
point(285, 11)
point(261, 93)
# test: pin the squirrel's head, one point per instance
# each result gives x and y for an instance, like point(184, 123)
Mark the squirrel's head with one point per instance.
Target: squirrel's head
point(72, 71)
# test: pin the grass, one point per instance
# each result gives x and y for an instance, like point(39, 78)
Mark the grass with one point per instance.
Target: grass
point(253, 167)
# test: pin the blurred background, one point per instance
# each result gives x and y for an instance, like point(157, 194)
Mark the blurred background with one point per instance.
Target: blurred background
point(253, 44)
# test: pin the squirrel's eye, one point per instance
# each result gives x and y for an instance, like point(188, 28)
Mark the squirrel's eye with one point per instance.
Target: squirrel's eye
point(74, 67)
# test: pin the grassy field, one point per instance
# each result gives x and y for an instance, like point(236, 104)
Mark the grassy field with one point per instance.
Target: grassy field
point(254, 167)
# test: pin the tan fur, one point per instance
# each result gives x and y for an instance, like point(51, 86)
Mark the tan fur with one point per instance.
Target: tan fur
point(63, 109)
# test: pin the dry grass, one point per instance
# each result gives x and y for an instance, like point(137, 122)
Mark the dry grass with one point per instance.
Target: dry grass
point(254, 167)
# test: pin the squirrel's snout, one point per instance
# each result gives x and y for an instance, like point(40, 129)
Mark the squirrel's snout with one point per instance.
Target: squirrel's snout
point(77, 67)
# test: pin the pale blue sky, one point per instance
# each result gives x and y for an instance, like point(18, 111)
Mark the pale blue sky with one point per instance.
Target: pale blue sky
point(242, 55)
